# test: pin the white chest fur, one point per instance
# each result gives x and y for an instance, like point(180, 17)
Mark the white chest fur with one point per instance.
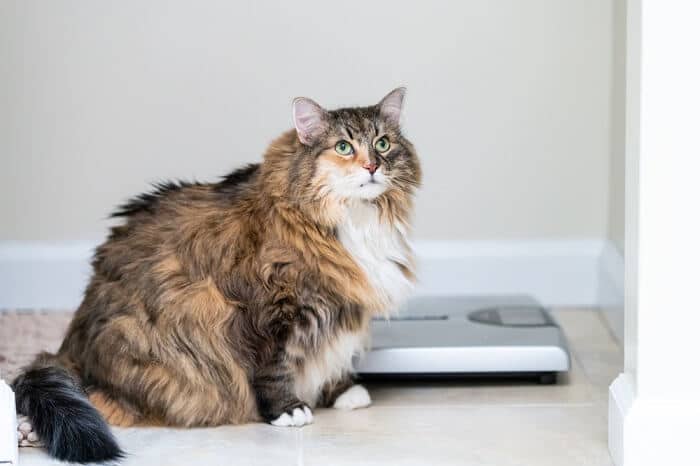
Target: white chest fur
point(378, 247)
point(329, 364)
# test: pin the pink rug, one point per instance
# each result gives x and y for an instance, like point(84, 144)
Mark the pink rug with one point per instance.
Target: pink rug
point(24, 333)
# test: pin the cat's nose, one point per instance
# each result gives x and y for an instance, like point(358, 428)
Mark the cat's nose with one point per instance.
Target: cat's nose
point(371, 167)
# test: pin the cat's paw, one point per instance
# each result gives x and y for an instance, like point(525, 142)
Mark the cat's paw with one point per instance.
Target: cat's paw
point(296, 417)
point(353, 398)
point(26, 437)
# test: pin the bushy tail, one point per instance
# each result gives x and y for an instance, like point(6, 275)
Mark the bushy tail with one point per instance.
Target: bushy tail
point(61, 415)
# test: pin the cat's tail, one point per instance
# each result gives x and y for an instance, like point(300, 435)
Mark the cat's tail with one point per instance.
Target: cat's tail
point(63, 418)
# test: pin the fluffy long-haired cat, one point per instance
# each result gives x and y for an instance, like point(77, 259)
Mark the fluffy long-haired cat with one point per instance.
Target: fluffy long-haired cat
point(238, 301)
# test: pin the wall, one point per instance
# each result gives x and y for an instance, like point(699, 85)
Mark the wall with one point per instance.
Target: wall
point(612, 266)
point(616, 188)
point(509, 103)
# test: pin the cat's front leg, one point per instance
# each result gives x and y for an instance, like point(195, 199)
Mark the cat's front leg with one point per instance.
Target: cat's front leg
point(345, 394)
point(277, 404)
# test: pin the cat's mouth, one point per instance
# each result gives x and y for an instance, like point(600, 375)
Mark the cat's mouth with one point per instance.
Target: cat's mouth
point(371, 188)
point(359, 185)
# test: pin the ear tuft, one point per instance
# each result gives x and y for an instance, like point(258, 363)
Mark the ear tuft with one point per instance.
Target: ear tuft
point(391, 105)
point(309, 120)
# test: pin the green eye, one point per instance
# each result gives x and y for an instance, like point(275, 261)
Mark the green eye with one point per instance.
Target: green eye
point(382, 144)
point(343, 148)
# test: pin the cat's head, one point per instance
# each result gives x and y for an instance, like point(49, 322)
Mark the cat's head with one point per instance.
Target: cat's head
point(354, 153)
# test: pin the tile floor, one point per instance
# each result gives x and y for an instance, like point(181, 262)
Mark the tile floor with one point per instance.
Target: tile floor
point(455, 423)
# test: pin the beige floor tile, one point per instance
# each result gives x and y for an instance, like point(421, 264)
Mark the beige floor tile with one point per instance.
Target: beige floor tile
point(249, 445)
point(474, 435)
point(573, 388)
point(598, 356)
point(585, 329)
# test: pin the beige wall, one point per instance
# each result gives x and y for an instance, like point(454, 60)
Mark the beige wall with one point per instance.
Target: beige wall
point(509, 103)
point(616, 210)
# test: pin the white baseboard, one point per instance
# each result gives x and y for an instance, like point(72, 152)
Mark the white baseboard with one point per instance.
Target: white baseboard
point(620, 399)
point(612, 289)
point(565, 273)
point(44, 275)
point(651, 431)
point(561, 273)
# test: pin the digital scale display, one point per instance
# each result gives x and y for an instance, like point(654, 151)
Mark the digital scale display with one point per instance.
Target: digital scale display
point(512, 316)
point(523, 316)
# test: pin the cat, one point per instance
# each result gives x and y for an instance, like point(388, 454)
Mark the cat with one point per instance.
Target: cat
point(242, 300)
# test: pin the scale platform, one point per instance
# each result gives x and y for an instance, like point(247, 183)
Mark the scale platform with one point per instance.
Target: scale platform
point(467, 336)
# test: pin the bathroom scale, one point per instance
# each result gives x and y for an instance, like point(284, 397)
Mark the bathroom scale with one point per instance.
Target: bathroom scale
point(436, 336)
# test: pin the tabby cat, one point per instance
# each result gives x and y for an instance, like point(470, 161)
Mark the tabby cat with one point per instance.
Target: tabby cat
point(238, 301)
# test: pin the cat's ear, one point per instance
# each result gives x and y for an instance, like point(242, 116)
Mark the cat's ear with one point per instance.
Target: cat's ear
point(391, 104)
point(310, 120)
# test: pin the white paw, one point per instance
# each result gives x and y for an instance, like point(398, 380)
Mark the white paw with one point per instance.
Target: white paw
point(26, 437)
point(297, 418)
point(353, 398)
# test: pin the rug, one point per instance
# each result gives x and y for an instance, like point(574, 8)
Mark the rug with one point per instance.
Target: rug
point(24, 333)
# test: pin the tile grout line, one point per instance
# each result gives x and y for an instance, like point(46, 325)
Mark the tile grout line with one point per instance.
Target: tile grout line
point(586, 404)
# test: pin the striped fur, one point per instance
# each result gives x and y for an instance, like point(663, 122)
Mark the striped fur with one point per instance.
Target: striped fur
point(238, 301)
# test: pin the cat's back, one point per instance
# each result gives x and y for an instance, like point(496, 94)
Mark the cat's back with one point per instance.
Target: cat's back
point(187, 227)
point(182, 199)
point(168, 254)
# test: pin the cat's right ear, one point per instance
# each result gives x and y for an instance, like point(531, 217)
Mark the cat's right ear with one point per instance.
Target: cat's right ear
point(310, 120)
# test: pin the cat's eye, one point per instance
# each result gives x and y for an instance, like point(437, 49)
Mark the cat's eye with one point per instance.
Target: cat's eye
point(343, 148)
point(382, 144)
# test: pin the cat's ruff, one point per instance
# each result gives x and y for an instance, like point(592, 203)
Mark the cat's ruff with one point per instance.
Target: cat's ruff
point(380, 248)
point(377, 247)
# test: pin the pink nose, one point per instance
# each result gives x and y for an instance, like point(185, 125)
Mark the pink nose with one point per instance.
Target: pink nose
point(371, 167)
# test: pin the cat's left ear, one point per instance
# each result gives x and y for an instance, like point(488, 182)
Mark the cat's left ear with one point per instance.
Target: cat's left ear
point(310, 120)
point(391, 105)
